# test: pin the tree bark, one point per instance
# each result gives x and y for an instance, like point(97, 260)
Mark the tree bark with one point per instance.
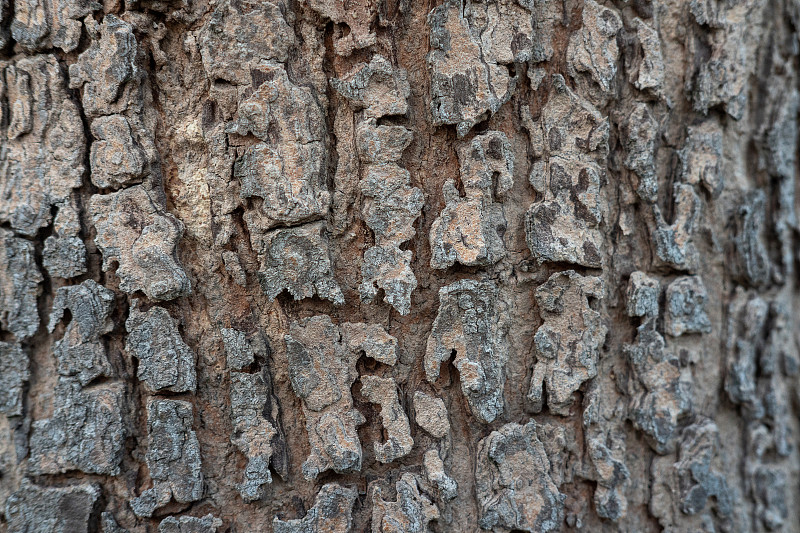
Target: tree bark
point(472, 265)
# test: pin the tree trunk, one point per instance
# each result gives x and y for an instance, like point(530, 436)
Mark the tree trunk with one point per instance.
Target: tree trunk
point(325, 266)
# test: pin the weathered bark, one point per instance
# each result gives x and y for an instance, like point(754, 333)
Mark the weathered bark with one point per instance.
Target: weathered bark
point(325, 266)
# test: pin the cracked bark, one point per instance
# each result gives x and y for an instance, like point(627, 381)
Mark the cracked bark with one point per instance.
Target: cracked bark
point(459, 265)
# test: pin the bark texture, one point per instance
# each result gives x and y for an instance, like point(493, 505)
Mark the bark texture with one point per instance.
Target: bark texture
point(312, 266)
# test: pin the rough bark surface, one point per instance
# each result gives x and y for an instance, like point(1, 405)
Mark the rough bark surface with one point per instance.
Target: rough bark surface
point(394, 266)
